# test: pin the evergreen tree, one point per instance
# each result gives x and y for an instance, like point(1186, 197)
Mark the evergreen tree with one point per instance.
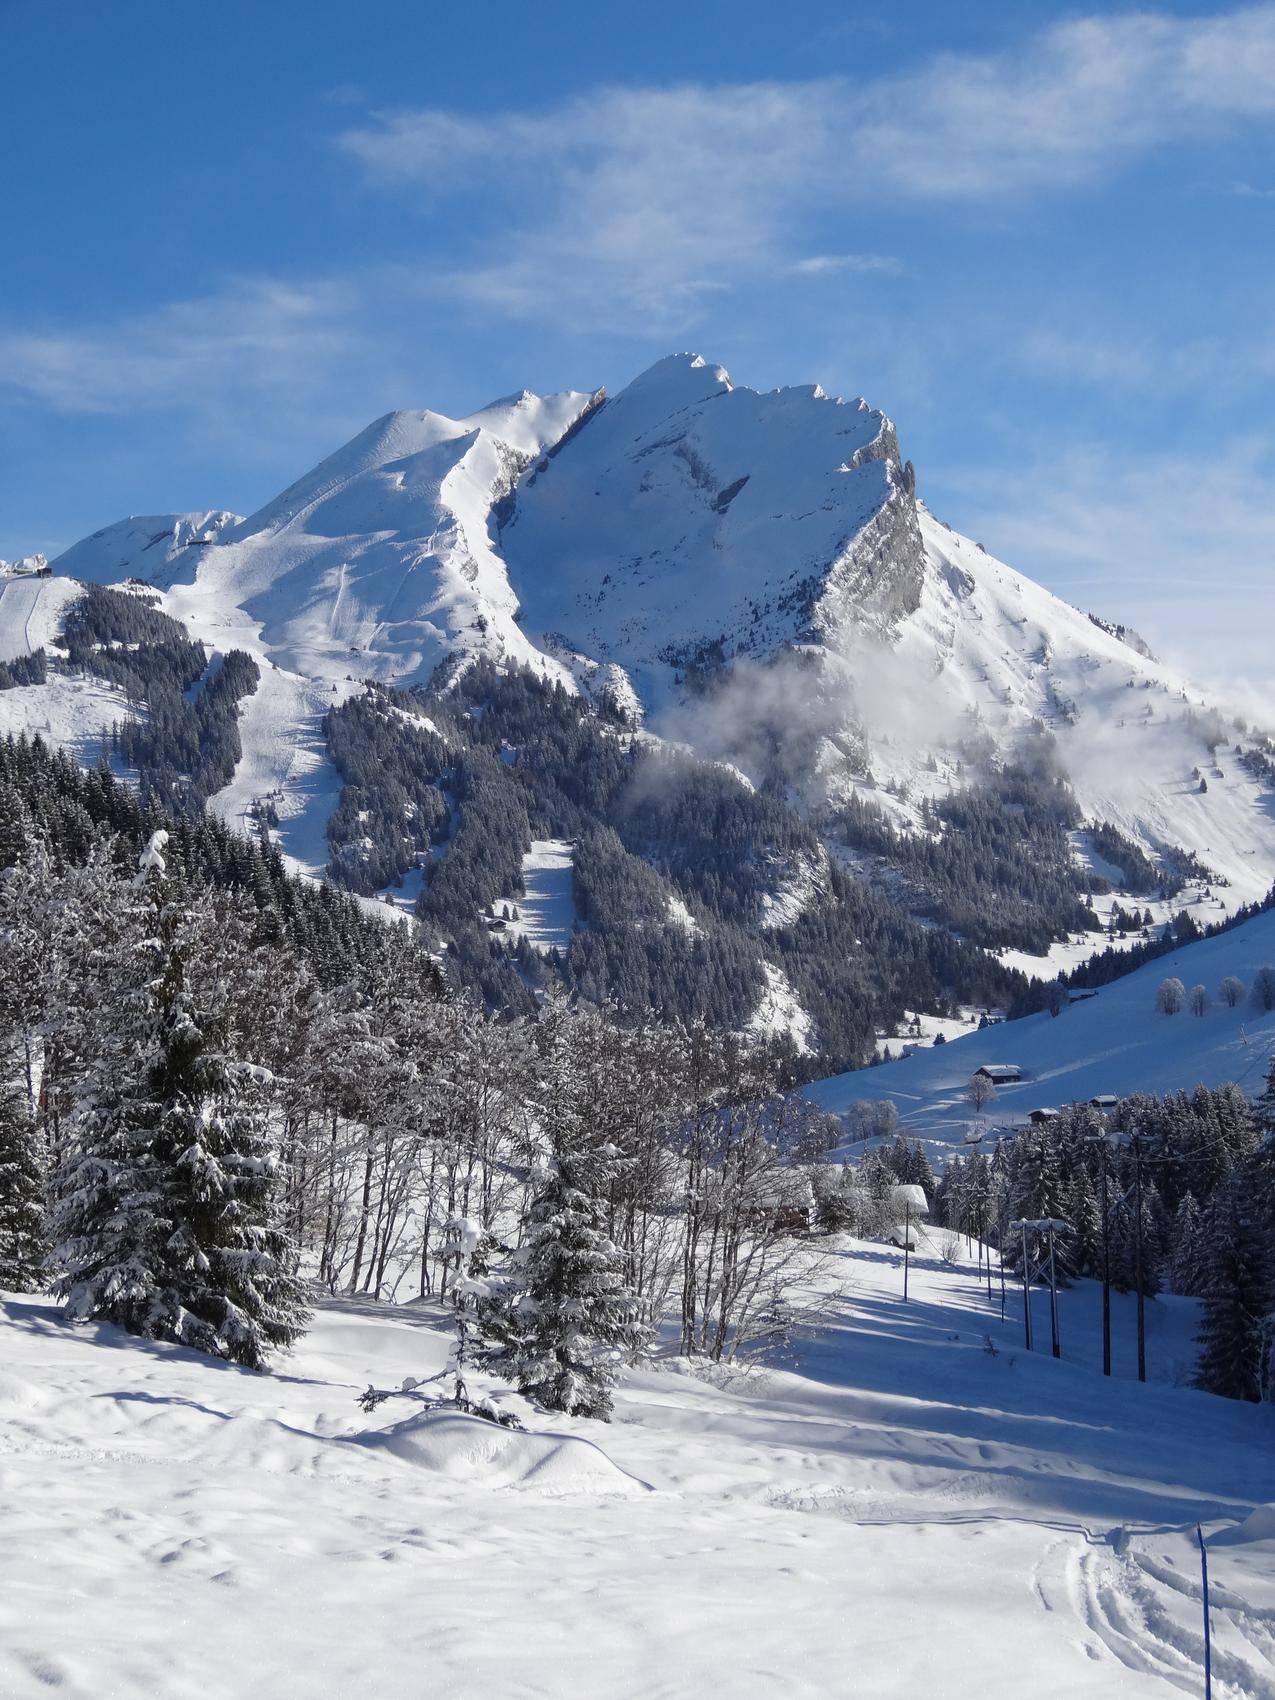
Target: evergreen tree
point(164, 1195)
point(22, 1244)
point(1264, 1106)
point(1239, 1294)
point(1083, 1246)
point(1188, 1260)
point(564, 1330)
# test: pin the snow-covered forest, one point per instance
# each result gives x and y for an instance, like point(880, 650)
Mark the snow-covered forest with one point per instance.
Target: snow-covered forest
point(219, 1083)
point(221, 1077)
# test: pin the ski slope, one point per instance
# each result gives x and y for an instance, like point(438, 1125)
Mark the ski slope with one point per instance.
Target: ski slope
point(901, 1513)
point(1115, 1041)
point(547, 910)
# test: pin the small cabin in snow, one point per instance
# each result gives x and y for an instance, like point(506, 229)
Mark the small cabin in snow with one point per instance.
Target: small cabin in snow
point(1000, 1074)
point(1104, 1101)
point(1038, 1118)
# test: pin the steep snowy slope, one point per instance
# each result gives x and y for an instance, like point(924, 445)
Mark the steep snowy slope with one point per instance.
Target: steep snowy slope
point(66, 710)
point(1115, 1041)
point(987, 652)
point(154, 547)
point(31, 611)
point(692, 516)
point(380, 563)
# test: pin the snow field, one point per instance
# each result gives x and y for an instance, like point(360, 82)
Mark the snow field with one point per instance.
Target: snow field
point(899, 1513)
point(547, 913)
point(1114, 1041)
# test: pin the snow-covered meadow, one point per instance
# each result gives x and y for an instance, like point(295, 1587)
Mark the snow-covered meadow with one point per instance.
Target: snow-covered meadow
point(1114, 1041)
point(914, 1507)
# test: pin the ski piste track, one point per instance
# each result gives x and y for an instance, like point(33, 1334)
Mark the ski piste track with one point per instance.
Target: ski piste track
point(1147, 1612)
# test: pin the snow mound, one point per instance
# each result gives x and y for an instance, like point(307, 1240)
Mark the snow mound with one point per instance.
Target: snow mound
point(18, 1394)
point(467, 1449)
point(1259, 1525)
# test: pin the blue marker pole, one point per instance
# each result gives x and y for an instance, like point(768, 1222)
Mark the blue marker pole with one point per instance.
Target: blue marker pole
point(1208, 1640)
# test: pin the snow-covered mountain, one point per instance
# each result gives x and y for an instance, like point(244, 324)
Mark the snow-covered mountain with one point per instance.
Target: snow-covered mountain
point(748, 573)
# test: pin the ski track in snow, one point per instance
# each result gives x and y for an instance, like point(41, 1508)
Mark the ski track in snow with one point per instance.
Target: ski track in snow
point(899, 1514)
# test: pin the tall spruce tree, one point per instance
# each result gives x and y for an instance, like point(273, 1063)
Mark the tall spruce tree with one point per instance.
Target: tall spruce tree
point(22, 1242)
point(1239, 1296)
point(569, 1323)
point(165, 1192)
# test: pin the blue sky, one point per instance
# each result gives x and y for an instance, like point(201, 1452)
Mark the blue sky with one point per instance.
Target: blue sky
point(1042, 237)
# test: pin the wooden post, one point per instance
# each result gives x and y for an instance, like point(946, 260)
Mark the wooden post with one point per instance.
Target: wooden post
point(1027, 1293)
point(907, 1241)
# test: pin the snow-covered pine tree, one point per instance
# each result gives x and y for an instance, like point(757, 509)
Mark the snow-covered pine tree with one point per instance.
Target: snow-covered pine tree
point(22, 1242)
point(569, 1323)
point(1083, 1246)
point(1187, 1262)
point(1264, 1105)
point(1238, 1285)
point(22, 1164)
point(164, 1194)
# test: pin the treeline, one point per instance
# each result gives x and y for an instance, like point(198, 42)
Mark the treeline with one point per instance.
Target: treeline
point(994, 862)
point(686, 879)
point(71, 812)
point(1202, 1165)
point(30, 669)
point(186, 745)
point(1112, 963)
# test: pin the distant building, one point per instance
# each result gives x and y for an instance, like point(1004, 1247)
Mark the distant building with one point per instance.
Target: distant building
point(1104, 1101)
point(1000, 1074)
point(1039, 1117)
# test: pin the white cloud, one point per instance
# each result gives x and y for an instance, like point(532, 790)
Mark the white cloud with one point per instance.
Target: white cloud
point(825, 265)
point(1181, 546)
point(256, 336)
point(642, 202)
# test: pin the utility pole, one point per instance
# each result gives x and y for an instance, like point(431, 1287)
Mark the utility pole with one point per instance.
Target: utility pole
point(907, 1243)
point(1046, 1227)
point(1105, 1170)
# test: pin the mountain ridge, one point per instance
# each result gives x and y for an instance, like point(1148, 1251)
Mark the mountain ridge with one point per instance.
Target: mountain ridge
point(748, 575)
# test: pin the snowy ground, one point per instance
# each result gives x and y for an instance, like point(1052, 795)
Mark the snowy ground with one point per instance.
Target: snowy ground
point(547, 914)
point(901, 1514)
point(285, 761)
point(70, 713)
point(31, 611)
point(1115, 1041)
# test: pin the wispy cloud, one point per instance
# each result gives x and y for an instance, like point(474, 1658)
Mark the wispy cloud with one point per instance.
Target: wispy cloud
point(254, 337)
point(646, 201)
point(828, 265)
point(1132, 358)
point(1181, 546)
